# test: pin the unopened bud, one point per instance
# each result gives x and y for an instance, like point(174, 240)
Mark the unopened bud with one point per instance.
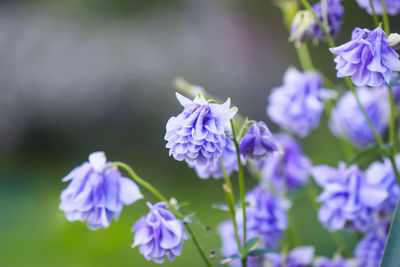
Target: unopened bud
point(394, 41)
point(302, 27)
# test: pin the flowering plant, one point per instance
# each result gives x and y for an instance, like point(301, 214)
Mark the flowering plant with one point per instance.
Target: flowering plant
point(216, 141)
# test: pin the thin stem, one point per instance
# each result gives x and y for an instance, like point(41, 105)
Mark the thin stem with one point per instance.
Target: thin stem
point(374, 16)
point(157, 194)
point(304, 57)
point(241, 187)
point(385, 18)
point(392, 129)
point(294, 239)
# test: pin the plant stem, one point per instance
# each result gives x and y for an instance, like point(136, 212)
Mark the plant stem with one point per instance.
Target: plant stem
point(385, 18)
point(304, 57)
point(392, 131)
point(374, 16)
point(242, 189)
point(157, 194)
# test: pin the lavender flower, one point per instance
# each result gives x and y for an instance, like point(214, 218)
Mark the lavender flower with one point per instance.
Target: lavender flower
point(392, 6)
point(337, 261)
point(198, 133)
point(287, 170)
point(334, 16)
point(159, 233)
point(348, 199)
point(367, 58)
point(229, 159)
point(369, 250)
point(298, 257)
point(257, 143)
point(97, 193)
point(296, 106)
point(349, 122)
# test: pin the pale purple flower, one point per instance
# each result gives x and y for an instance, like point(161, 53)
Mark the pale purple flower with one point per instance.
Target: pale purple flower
point(334, 14)
point(392, 6)
point(159, 234)
point(96, 192)
point(229, 159)
point(348, 199)
point(296, 106)
point(367, 58)
point(288, 168)
point(297, 257)
point(198, 133)
point(336, 261)
point(302, 27)
point(348, 121)
point(369, 250)
point(258, 142)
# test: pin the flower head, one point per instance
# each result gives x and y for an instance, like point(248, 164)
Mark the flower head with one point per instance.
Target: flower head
point(296, 106)
point(392, 6)
point(97, 193)
point(198, 133)
point(367, 58)
point(257, 143)
point(287, 170)
point(159, 234)
point(349, 122)
point(337, 261)
point(302, 27)
point(334, 15)
point(298, 257)
point(348, 199)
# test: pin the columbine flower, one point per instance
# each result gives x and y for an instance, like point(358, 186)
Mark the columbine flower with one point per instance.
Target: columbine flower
point(257, 143)
point(302, 27)
point(159, 234)
point(298, 257)
point(265, 217)
point(229, 159)
point(367, 58)
point(289, 169)
point(198, 133)
point(337, 261)
point(97, 193)
point(381, 174)
point(369, 250)
point(349, 122)
point(296, 106)
point(348, 199)
point(334, 14)
point(392, 6)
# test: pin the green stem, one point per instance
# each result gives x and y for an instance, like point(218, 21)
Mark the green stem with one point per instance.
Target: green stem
point(294, 239)
point(374, 16)
point(304, 57)
point(392, 129)
point(241, 187)
point(385, 18)
point(157, 194)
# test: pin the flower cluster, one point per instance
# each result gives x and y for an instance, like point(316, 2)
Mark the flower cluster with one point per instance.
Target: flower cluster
point(392, 6)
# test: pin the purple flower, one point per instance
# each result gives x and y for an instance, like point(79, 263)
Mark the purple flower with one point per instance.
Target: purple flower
point(369, 250)
point(302, 27)
point(198, 133)
point(392, 6)
point(97, 193)
point(159, 233)
point(348, 199)
point(298, 257)
point(257, 143)
point(265, 217)
point(349, 122)
point(337, 261)
point(229, 159)
point(334, 14)
point(296, 106)
point(287, 170)
point(367, 58)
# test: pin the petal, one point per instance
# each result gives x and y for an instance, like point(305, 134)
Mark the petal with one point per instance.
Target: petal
point(98, 161)
point(128, 191)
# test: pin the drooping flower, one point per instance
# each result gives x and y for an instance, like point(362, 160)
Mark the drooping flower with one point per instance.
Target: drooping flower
point(369, 250)
point(367, 58)
point(348, 121)
point(265, 217)
point(337, 261)
point(302, 27)
point(229, 159)
point(296, 106)
point(392, 6)
point(159, 234)
point(258, 142)
point(198, 133)
point(333, 13)
point(382, 175)
point(348, 199)
point(287, 170)
point(297, 257)
point(97, 192)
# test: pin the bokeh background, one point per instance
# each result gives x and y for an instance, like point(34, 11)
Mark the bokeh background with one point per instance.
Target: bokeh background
point(77, 76)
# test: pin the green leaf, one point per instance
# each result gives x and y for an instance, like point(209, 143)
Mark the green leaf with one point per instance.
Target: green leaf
point(369, 151)
point(391, 255)
point(230, 258)
point(251, 243)
point(259, 252)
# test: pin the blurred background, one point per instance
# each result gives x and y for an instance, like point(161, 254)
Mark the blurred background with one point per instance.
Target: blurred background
point(78, 76)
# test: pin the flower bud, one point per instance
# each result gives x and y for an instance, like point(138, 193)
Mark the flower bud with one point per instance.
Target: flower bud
point(302, 27)
point(394, 41)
